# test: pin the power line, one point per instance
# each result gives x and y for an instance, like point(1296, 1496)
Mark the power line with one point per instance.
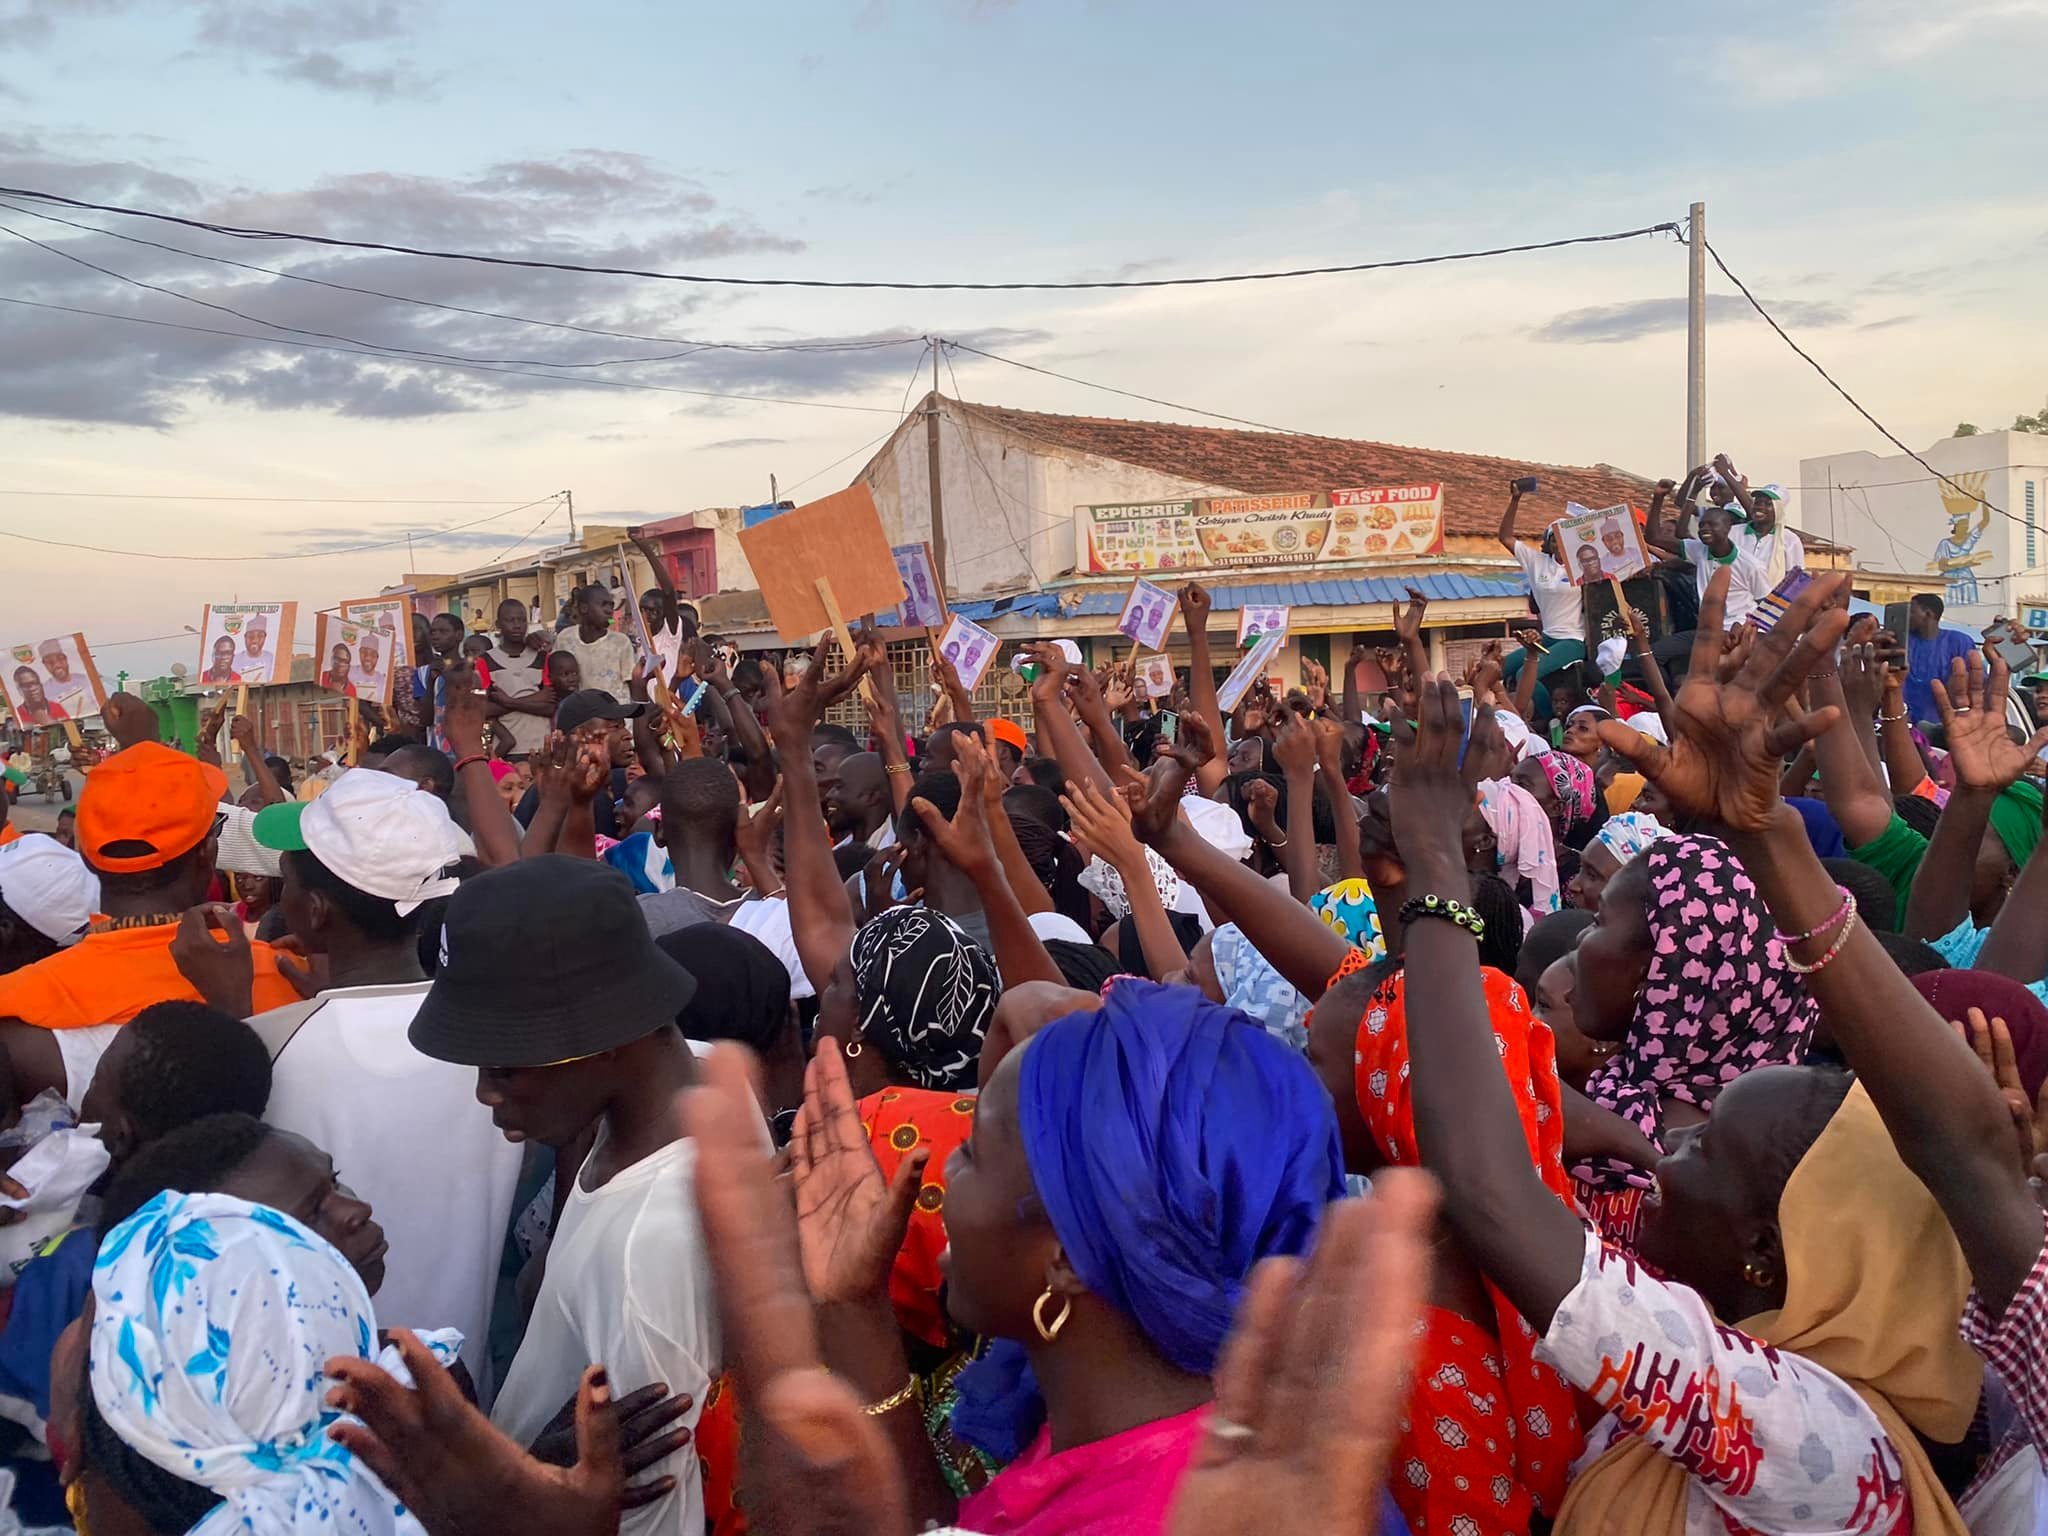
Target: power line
point(317, 554)
point(814, 474)
point(862, 345)
point(354, 341)
point(536, 528)
point(1171, 405)
point(422, 362)
point(241, 232)
point(1855, 404)
point(308, 501)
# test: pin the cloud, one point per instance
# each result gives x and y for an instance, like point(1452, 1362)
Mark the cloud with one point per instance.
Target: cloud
point(1647, 317)
point(330, 72)
point(1840, 46)
point(745, 442)
point(1887, 324)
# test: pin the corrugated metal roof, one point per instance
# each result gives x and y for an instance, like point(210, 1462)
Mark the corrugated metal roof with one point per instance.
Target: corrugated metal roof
point(1335, 592)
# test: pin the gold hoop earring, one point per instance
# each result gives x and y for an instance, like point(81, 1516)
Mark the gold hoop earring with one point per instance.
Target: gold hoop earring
point(74, 1505)
point(1049, 1331)
point(851, 1050)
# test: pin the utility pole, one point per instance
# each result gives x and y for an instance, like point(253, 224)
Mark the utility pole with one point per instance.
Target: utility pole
point(774, 494)
point(931, 454)
point(569, 497)
point(1696, 340)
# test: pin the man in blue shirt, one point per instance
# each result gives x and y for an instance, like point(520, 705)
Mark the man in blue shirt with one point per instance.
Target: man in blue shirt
point(1929, 650)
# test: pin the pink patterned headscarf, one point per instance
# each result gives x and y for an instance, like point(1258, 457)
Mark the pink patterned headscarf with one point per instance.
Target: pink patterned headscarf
point(1575, 786)
point(1522, 838)
point(1719, 999)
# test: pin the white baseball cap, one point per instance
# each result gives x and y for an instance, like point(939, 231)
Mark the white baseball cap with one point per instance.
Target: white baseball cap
point(49, 887)
point(375, 831)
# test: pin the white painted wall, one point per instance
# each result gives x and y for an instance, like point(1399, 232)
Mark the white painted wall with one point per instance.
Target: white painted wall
point(1895, 515)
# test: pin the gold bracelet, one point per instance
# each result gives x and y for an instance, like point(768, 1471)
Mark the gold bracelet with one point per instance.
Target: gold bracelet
point(893, 1401)
point(898, 767)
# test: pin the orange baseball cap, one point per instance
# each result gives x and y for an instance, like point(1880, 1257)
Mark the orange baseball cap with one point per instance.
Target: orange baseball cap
point(1010, 731)
point(150, 795)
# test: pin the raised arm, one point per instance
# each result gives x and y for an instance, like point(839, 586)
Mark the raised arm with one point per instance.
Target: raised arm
point(820, 918)
point(1506, 532)
point(884, 719)
point(1294, 744)
point(1526, 679)
point(1086, 693)
point(1343, 810)
point(254, 763)
point(741, 724)
point(965, 840)
point(491, 824)
point(1654, 534)
point(1102, 822)
point(661, 576)
point(1194, 610)
point(1986, 761)
point(956, 691)
point(1942, 1109)
point(1292, 938)
point(1467, 1127)
point(1056, 728)
point(1855, 796)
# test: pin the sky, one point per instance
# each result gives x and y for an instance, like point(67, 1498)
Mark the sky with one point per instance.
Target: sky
point(1871, 170)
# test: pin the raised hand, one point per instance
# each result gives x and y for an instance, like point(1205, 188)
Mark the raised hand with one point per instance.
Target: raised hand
point(461, 1475)
point(1863, 672)
point(1103, 822)
point(1317, 679)
point(965, 839)
point(1972, 706)
point(1992, 1041)
point(1120, 692)
point(464, 719)
point(1294, 744)
point(1154, 796)
point(1728, 740)
point(128, 720)
point(222, 970)
point(242, 731)
point(554, 767)
point(1053, 668)
point(1429, 797)
point(755, 834)
point(803, 704)
point(1261, 808)
point(1313, 1380)
point(1487, 753)
point(1194, 606)
point(850, 1220)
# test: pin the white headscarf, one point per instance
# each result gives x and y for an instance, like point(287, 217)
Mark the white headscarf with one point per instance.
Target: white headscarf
point(213, 1324)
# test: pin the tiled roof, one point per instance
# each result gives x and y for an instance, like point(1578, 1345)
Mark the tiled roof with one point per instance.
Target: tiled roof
point(1333, 592)
point(1475, 485)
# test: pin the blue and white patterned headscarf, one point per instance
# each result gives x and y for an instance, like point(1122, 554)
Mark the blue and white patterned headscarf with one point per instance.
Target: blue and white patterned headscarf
point(213, 1324)
point(1253, 987)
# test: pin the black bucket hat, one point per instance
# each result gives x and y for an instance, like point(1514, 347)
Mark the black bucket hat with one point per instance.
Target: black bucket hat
point(544, 961)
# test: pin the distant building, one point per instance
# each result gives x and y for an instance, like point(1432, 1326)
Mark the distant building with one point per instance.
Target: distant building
point(1917, 533)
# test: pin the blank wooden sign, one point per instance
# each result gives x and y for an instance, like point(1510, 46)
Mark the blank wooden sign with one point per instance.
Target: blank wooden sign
point(838, 539)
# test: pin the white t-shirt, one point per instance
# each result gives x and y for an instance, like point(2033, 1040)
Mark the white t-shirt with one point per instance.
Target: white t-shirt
point(606, 662)
point(768, 921)
point(1778, 551)
point(628, 1285)
point(1748, 586)
point(407, 1134)
point(1560, 603)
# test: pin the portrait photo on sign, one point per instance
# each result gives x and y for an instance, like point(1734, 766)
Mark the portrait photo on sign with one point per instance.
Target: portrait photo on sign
point(1157, 674)
point(355, 659)
point(241, 643)
point(1600, 546)
point(1147, 615)
point(970, 649)
point(53, 680)
point(922, 606)
point(393, 616)
point(1257, 620)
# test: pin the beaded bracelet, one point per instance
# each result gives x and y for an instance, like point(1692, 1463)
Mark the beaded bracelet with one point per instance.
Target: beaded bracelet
point(1834, 917)
point(1443, 907)
point(1834, 949)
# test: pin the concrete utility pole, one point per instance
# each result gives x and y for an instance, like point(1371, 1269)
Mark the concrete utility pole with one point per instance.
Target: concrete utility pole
point(1696, 340)
point(569, 499)
point(931, 453)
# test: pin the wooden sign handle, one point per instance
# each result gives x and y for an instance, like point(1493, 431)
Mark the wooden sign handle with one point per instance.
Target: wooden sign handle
point(241, 698)
point(831, 605)
point(72, 735)
point(355, 719)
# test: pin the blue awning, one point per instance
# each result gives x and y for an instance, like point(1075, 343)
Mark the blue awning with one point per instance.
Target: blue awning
point(1330, 592)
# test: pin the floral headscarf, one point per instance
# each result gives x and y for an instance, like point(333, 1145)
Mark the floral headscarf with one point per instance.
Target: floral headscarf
point(1628, 834)
point(1719, 999)
point(1573, 782)
point(1348, 910)
point(213, 1324)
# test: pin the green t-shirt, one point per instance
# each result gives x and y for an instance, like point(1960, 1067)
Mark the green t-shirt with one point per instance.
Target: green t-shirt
point(1896, 853)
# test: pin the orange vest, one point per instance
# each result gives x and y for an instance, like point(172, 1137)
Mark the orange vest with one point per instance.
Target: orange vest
point(108, 978)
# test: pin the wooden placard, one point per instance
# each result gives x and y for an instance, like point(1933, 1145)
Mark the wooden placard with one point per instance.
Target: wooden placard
point(246, 644)
point(353, 659)
point(391, 613)
point(49, 682)
point(839, 540)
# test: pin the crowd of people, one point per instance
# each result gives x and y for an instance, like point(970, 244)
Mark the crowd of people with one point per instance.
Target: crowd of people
point(622, 1098)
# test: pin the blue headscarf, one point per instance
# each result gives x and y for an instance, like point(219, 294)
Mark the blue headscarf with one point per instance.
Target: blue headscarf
point(1174, 1143)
